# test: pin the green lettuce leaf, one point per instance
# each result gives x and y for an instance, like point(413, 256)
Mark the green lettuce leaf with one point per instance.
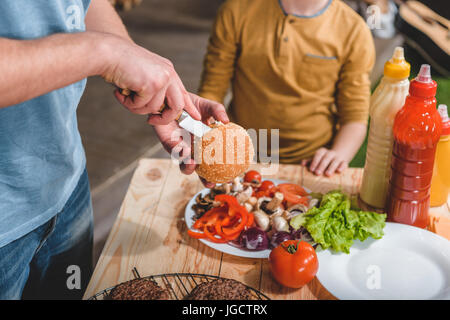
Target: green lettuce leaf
point(317, 220)
point(334, 224)
point(371, 224)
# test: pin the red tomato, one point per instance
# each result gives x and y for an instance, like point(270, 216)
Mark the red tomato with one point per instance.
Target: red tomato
point(252, 176)
point(293, 263)
point(260, 194)
point(266, 185)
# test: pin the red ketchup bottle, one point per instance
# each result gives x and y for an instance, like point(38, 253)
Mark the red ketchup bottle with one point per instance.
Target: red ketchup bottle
point(417, 129)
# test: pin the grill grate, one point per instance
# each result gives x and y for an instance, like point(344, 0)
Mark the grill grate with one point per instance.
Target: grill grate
point(179, 285)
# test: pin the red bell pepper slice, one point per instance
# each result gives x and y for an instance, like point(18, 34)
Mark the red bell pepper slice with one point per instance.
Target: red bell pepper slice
point(196, 235)
point(240, 226)
point(212, 237)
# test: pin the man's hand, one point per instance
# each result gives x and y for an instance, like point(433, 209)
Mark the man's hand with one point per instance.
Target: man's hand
point(209, 111)
point(151, 78)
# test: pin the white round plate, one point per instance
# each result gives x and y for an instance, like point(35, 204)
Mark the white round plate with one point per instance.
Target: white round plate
point(407, 263)
point(224, 247)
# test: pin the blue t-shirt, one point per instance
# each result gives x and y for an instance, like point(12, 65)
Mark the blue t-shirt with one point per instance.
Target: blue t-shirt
point(41, 155)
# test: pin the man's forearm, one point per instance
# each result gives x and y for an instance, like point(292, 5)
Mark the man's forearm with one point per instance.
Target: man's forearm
point(30, 68)
point(102, 17)
point(349, 139)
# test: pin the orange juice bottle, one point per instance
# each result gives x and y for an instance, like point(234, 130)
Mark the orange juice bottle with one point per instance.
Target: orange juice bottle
point(440, 183)
point(385, 102)
point(417, 129)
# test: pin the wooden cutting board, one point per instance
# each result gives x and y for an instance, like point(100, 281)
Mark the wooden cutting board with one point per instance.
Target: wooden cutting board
point(151, 235)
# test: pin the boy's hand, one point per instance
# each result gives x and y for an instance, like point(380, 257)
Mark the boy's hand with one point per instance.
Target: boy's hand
point(346, 143)
point(326, 161)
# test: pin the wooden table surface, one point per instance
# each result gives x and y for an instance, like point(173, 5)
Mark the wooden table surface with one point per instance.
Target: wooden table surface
point(151, 235)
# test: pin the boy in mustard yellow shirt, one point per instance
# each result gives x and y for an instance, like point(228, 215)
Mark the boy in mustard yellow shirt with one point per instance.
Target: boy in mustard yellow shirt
point(301, 66)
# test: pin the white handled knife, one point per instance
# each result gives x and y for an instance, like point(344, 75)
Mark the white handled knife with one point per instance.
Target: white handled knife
point(185, 121)
point(197, 128)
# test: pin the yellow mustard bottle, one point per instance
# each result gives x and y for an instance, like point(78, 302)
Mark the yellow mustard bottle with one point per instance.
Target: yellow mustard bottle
point(385, 102)
point(440, 183)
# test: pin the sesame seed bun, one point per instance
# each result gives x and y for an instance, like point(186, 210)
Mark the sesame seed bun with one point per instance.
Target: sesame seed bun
point(223, 153)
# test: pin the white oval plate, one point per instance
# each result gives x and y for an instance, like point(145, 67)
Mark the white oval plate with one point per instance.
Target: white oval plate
point(407, 263)
point(224, 247)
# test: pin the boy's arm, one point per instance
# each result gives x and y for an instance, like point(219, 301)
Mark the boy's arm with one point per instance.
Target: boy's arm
point(345, 145)
point(353, 88)
point(352, 101)
point(218, 66)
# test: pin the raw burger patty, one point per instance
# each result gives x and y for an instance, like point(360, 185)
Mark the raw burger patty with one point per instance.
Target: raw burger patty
point(220, 289)
point(139, 289)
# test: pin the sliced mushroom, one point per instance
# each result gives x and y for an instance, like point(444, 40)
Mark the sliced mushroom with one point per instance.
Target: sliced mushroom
point(280, 224)
point(237, 185)
point(253, 201)
point(222, 188)
point(202, 204)
point(275, 202)
point(313, 202)
point(202, 201)
point(299, 207)
point(199, 210)
point(262, 200)
point(250, 204)
point(209, 197)
point(243, 196)
point(248, 207)
point(262, 219)
point(277, 213)
point(287, 215)
point(295, 210)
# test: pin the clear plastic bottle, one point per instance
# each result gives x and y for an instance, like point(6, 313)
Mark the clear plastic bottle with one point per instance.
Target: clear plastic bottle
point(386, 101)
point(440, 183)
point(417, 129)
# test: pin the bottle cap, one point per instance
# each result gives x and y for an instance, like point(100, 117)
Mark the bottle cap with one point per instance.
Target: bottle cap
point(424, 75)
point(442, 109)
point(397, 67)
point(423, 86)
